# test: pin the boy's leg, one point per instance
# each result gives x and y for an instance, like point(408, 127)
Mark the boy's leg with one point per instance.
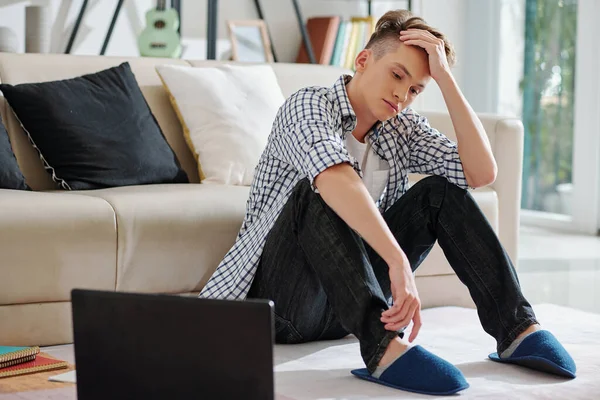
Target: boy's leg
point(316, 270)
point(436, 209)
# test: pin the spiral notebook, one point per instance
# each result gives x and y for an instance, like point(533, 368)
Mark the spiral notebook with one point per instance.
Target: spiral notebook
point(12, 355)
point(39, 364)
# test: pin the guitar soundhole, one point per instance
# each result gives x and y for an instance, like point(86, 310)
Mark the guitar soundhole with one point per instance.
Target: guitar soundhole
point(159, 24)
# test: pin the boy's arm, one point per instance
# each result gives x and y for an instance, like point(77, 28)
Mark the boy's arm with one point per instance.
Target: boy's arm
point(431, 152)
point(314, 149)
point(474, 148)
point(343, 190)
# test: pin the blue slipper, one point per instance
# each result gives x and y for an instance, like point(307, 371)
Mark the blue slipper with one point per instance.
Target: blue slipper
point(419, 371)
point(540, 350)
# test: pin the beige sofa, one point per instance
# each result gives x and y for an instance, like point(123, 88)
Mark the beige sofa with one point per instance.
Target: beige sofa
point(166, 238)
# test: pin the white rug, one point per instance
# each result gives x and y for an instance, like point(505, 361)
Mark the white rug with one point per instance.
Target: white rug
point(322, 370)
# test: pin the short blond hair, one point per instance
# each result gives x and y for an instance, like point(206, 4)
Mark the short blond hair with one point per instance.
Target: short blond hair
point(387, 32)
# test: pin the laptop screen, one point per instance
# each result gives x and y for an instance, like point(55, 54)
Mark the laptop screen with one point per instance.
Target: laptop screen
point(166, 347)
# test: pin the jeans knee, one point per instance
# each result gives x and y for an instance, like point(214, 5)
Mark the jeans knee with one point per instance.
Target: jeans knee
point(431, 189)
point(433, 180)
point(442, 187)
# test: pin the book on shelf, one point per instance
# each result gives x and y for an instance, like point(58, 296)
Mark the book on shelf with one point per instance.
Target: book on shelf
point(339, 43)
point(12, 355)
point(343, 41)
point(40, 363)
point(348, 62)
point(362, 29)
point(336, 41)
point(322, 32)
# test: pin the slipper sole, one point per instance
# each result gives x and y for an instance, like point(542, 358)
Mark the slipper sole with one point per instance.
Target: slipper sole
point(534, 362)
point(363, 373)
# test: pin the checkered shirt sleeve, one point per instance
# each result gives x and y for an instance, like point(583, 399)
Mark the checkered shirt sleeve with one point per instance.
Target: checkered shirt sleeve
point(433, 153)
point(309, 139)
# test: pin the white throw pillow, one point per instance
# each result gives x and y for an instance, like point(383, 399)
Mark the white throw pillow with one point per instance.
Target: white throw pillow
point(227, 113)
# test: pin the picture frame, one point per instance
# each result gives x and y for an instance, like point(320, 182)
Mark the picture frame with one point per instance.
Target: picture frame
point(249, 41)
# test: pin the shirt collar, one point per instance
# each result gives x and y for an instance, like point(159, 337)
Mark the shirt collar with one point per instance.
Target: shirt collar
point(341, 95)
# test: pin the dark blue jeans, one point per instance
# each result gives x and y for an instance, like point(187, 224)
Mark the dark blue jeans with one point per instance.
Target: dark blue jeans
point(326, 282)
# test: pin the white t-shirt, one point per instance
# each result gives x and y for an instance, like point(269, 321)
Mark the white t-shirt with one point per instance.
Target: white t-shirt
point(375, 170)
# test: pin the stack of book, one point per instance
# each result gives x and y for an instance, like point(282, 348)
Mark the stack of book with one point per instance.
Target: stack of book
point(336, 41)
point(25, 360)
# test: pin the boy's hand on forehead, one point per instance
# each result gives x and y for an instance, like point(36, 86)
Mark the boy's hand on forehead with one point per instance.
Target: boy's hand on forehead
point(438, 63)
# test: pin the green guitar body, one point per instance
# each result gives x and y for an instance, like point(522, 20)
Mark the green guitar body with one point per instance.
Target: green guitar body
point(160, 37)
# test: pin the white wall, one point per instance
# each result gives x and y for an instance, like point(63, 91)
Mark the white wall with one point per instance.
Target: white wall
point(278, 13)
point(448, 15)
point(93, 27)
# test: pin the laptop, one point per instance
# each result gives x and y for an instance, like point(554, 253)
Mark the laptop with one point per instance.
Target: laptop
point(147, 346)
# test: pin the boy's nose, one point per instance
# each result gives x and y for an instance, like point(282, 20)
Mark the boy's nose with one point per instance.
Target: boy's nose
point(401, 95)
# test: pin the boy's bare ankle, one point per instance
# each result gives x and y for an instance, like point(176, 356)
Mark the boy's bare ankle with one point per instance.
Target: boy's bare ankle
point(395, 348)
point(531, 329)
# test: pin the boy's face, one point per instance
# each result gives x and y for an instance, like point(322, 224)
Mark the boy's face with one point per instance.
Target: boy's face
point(392, 83)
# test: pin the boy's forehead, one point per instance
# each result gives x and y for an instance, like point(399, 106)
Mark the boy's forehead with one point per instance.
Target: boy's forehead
point(415, 60)
point(402, 52)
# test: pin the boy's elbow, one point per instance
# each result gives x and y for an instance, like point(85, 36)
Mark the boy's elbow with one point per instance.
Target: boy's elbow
point(487, 180)
point(492, 174)
point(483, 177)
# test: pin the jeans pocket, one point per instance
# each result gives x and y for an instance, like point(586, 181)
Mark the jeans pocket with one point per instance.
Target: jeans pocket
point(285, 332)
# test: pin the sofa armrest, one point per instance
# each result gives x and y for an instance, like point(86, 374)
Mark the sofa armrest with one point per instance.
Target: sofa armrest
point(506, 136)
point(53, 242)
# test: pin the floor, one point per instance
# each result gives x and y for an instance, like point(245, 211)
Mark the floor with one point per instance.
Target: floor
point(321, 370)
point(560, 268)
point(554, 268)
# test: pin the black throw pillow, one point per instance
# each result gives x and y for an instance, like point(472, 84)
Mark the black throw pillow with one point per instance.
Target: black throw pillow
point(11, 176)
point(95, 131)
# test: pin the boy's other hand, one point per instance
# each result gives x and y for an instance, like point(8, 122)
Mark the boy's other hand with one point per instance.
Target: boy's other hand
point(407, 305)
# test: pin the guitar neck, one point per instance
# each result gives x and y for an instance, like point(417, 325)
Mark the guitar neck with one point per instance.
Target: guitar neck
point(161, 5)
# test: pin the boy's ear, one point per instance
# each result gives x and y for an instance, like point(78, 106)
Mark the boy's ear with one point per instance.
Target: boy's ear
point(360, 63)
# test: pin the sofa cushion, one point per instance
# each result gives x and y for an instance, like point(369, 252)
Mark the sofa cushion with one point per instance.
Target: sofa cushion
point(227, 113)
point(177, 247)
point(291, 76)
point(11, 176)
point(53, 242)
point(95, 131)
point(172, 237)
point(24, 68)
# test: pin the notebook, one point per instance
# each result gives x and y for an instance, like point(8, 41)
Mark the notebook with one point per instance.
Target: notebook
point(11, 355)
point(65, 377)
point(39, 364)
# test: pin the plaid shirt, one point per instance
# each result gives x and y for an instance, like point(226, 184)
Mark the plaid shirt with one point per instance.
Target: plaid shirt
point(308, 137)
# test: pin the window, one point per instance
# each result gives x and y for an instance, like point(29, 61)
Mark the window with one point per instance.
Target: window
point(548, 76)
point(548, 90)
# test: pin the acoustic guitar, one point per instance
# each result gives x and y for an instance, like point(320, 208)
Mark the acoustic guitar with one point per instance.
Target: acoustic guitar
point(160, 37)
